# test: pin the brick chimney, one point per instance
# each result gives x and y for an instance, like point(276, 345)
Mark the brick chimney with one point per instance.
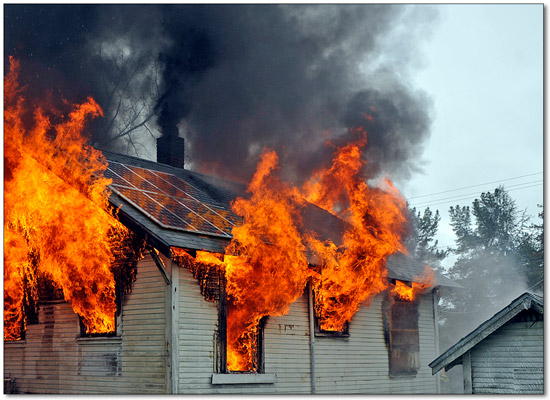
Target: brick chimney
point(171, 150)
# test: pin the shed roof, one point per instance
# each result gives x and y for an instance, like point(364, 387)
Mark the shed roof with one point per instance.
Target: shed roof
point(453, 355)
point(215, 194)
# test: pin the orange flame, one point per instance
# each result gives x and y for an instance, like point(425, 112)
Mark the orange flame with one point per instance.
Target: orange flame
point(420, 284)
point(266, 266)
point(355, 272)
point(57, 219)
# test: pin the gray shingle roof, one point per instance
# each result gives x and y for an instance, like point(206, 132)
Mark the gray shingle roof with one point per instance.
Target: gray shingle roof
point(405, 268)
point(222, 192)
point(451, 357)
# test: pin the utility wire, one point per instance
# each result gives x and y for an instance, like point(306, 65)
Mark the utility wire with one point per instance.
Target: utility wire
point(481, 184)
point(531, 287)
point(467, 197)
point(475, 193)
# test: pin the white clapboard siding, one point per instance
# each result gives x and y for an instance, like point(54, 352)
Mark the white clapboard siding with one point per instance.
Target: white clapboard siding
point(53, 359)
point(356, 364)
point(359, 363)
point(286, 344)
point(510, 360)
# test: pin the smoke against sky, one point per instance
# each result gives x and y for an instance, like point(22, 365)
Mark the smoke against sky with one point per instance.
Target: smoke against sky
point(233, 79)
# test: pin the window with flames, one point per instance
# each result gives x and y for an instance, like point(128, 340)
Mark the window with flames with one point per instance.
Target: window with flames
point(248, 358)
point(401, 334)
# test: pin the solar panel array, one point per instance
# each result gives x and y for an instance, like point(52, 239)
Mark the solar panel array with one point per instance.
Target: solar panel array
point(170, 201)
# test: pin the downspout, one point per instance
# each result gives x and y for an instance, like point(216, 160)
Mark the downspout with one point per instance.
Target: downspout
point(311, 336)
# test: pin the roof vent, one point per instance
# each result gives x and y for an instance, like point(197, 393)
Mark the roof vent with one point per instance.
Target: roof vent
point(171, 150)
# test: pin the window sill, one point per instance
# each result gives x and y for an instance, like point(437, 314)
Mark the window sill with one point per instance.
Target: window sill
point(15, 343)
point(404, 375)
point(99, 340)
point(332, 334)
point(239, 379)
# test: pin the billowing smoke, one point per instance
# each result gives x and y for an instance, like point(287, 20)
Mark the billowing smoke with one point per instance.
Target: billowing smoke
point(232, 79)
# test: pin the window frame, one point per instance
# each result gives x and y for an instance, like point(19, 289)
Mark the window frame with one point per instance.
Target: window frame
point(411, 348)
point(119, 294)
point(221, 345)
point(318, 331)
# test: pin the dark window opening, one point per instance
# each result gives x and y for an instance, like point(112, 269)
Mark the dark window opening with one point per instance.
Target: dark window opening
point(320, 332)
point(124, 267)
point(257, 362)
point(83, 333)
point(403, 338)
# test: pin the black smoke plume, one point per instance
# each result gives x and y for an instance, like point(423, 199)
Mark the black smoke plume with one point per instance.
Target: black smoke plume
point(233, 79)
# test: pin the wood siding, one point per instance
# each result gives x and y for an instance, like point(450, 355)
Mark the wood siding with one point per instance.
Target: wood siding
point(53, 359)
point(359, 364)
point(354, 364)
point(286, 346)
point(510, 360)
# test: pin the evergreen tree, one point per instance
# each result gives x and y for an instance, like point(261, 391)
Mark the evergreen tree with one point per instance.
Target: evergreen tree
point(493, 246)
point(531, 253)
point(422, 244)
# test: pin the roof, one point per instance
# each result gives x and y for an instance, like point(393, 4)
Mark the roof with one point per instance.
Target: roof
point(453, 355)
point(405, 268)
point(139, 185)
point(209, 191)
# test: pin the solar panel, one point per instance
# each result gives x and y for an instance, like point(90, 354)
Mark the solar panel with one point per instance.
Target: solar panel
point(170, 201)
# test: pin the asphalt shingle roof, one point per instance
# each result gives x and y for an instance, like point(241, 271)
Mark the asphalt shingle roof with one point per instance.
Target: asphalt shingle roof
point(221, 192)
point(453, 355)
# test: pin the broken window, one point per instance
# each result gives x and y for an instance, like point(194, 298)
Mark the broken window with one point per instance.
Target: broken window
point(242, 353)
point(319, 331)
point(401, 329)
point(124, 268)
point(246, 352)
point(322, 331)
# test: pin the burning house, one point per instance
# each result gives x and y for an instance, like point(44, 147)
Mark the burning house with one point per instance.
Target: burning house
point(124, 275)
point(172, 331)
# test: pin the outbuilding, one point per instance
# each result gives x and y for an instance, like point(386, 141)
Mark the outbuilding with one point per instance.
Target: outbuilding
point(503, 355)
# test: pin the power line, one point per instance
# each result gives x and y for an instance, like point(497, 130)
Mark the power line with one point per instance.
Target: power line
point(481, 184)
point(531, 287)
point(469, 197)
point(474, 193)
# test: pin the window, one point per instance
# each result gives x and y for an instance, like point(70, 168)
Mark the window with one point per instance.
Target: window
point(124, 267)
point(402, 337)
point(222, 375)
point(117, 317)
point(211, 278)
point(17, 315)
point(255, 360)
point(319, 331)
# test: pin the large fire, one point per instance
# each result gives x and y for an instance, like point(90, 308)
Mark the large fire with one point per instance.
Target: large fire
point(57, 223)
point(354, 272)
point(266, 265)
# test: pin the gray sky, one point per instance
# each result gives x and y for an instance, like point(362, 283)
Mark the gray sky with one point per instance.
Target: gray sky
point(484, 71)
